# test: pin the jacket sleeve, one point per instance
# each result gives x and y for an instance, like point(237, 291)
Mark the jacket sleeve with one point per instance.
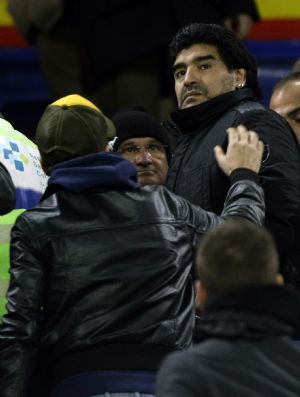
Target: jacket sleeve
point(19, 332)
point(7, 191)
point(245, 199)
point(279, 175)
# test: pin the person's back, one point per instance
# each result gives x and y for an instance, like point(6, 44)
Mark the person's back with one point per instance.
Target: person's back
point(243, 337)
point(103, 265)
point(20, 157)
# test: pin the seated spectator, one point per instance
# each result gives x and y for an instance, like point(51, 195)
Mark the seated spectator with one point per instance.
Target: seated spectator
point(20, 157)
point(285, 100)
point(142, 140)
point(101, 269)
point(248, 318)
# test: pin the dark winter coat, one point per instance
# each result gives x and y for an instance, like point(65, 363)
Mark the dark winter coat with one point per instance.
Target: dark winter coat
point(244, 350)
point(195, 175)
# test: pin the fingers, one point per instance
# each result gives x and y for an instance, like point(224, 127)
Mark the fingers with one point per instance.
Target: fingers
point(244, 150)
point(219, 153)
point(241, 134)
point(260, 148)
point(220, 157)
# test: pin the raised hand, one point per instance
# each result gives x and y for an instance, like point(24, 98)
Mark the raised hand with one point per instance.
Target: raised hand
point(244, 150)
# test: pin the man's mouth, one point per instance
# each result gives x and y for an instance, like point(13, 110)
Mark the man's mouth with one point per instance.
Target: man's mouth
point(191, 94)
point(146, 172)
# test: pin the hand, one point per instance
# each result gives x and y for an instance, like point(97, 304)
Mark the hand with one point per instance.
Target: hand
point(244, 150)
point(241, 25)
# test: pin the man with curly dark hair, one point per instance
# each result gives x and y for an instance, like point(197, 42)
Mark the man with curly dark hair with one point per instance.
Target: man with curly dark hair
point(216, 87)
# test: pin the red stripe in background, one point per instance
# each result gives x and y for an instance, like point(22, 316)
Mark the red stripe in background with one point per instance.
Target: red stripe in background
point(276, 29)
point(9, 37)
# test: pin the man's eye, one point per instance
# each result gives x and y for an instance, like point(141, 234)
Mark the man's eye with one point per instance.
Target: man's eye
point(153, 147)
point(129, 149)
point(204, 66)
point(179, 73)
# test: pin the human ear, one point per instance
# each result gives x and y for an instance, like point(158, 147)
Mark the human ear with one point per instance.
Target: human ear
point(240, 78)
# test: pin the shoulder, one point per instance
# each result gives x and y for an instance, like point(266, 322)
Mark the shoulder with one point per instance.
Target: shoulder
point(264, 119)
point(272, 129)
point(42, 211)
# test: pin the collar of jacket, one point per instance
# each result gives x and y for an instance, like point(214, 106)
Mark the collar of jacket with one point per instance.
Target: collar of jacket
point(251, 313)
point(188, 120)
point(99, 170)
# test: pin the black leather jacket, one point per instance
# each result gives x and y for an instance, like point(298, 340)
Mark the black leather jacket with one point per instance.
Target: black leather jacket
point(103, 270)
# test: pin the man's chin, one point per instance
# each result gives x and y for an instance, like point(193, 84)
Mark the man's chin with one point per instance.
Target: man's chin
point(143, 181)
point(147, 178)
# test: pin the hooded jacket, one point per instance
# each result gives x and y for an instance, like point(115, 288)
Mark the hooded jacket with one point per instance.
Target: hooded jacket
point(244, 349)
point(195, 175)
point(102, 268)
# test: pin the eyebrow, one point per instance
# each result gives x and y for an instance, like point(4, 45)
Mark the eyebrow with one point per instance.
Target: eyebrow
point(196, 59)
point(152, 140)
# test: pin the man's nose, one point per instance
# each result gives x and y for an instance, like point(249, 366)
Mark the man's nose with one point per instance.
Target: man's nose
point(143, 157)
point(191, 76)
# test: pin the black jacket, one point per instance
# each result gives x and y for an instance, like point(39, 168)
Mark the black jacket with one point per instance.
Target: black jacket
point(245, 349)
point(7, 191)
point(101, 271)
point(194, 174)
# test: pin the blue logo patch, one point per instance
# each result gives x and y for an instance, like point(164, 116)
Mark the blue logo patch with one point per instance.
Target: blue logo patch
point(11, 152)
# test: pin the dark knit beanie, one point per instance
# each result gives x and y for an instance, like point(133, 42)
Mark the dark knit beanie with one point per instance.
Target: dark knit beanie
point(139, 124)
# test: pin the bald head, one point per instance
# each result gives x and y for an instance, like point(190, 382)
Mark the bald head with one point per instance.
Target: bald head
point(285, 100)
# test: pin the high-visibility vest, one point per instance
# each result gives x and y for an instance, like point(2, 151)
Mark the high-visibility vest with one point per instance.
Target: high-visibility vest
point(20, 156)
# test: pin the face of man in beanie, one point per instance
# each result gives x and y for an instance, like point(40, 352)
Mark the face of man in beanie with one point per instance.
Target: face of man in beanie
point(149, 155)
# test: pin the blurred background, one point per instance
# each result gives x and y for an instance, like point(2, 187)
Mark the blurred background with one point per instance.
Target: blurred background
point(24, 93)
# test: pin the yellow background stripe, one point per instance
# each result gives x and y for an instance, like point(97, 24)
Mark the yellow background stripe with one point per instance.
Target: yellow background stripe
point(269, 9)
point(279, 9)
point(5, 18)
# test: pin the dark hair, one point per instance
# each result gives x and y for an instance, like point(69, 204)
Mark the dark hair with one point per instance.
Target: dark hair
point(231, 49)
point(236, 254)
point(295, 76)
